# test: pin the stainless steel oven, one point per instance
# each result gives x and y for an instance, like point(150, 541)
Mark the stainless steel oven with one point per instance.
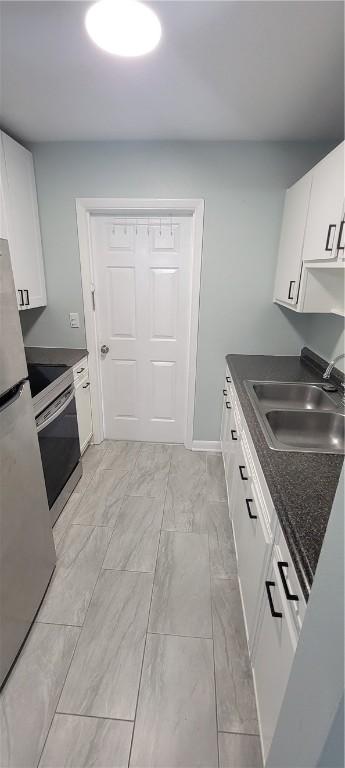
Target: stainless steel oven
point(57, 429)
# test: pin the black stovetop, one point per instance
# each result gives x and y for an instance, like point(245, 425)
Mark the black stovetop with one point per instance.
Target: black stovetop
point(40, 376)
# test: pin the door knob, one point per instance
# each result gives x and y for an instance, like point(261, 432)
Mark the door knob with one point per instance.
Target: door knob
point(104, 349)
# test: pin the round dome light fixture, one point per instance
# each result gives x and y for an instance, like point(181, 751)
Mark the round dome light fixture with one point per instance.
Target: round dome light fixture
point(123, 27)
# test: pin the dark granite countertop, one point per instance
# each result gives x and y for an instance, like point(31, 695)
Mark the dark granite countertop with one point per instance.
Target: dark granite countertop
point(302, 485)
point(54, 355)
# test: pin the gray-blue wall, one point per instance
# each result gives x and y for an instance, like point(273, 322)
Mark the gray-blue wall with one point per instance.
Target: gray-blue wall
point(243, 185)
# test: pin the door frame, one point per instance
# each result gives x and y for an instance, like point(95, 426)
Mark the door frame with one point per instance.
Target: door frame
point(85, 207)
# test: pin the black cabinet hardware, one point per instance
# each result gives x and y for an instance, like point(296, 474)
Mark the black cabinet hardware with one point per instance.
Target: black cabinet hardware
point(225, 392)
point(289, 595)
point(328, 246)
point(241, 468)
point(85, 386)
point(274, 613)
point(233, 434)
point(248, 503)
point(340, 247)
point(228, 379)
point(27, 302)
point(227, 403)
point(21, 299)
point(292, 282)
point(81, 370)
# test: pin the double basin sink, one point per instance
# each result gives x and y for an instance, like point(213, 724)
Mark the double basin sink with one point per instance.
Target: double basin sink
point(298, 416)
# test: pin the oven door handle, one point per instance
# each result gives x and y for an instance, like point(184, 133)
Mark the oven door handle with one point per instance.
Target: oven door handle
point(56, 413)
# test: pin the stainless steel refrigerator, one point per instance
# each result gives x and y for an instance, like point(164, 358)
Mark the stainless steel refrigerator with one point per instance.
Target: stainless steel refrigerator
point(27, 553)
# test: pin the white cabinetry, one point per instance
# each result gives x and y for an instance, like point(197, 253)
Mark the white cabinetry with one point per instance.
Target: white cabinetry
point(310, 267)
point(322, 239)
point(272, 599)
point(273, 655)
point(83, 403)
point(291, 241)
point(253, 538)
point(22, 223)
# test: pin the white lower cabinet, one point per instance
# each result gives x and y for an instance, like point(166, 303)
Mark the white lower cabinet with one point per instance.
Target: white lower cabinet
point(272, 599)
point(83, 403)
point(253, 540)
point(273, 655)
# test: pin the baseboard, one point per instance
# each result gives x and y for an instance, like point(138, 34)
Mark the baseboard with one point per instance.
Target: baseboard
point(206, 445)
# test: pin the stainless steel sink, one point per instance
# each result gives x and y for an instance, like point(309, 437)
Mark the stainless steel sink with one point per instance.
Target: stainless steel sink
point(274, 394)
point(298, 416)
point(317, 431)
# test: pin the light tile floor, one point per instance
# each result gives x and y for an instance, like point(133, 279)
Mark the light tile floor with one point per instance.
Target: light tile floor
point(138, 656)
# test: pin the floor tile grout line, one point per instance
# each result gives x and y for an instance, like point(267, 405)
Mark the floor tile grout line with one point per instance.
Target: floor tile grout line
point(69, 665)
point(73, 654)
point(241, 733)
point(96, 717)
point(187, 637)
point(213, 653)
point(148, 621)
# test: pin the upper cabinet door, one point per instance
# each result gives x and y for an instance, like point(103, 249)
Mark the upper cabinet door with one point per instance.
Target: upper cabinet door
point(323, 235)
point(291, 241)
point(23, 229)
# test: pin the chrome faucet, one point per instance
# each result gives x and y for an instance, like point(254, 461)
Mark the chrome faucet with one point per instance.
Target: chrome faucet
point(331, 365)
point(329, 370)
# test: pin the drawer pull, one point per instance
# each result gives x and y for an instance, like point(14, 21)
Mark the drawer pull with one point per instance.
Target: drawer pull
point(81, 370)
point(233, 434)
point(27, 302)
point(228, 377)
point(241, 468)
point(227, 403)
point(329, 246)
point(225, 392)
point(290, 295)
point(248, 503)
point(289, 595)
point(21, 302)
point(274, 613)
point(85, 386)
point(340, 247)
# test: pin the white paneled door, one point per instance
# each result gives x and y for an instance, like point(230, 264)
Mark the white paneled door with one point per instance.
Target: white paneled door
point(143, 287)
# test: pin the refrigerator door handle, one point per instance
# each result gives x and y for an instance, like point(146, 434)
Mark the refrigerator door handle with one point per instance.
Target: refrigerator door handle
point(11, 396)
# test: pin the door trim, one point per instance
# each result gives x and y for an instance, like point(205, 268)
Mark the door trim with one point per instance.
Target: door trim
point(85, 207)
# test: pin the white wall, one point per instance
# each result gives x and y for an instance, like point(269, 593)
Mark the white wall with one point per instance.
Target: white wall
point(243, 185)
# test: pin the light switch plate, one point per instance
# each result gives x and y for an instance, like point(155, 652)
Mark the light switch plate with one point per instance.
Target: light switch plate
point(74, 320)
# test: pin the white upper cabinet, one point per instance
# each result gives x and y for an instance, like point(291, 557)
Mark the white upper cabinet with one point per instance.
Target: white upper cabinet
point(323, 236)
point(291, 241)
point(22, 223)
point(310, 268)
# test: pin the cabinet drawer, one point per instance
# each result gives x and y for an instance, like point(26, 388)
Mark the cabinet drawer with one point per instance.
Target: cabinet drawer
point(295, 602)
point(273, 655)
point(80, 370)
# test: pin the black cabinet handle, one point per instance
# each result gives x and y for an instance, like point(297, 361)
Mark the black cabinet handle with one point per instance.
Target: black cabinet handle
point(241, 468)
point(225, 392)
point(80, 370)
point(227, 403)
point(340, 247)
point(274, 613)
point(228, 379)
point(85, 386)
point(21, 299)
point(233, 432)
point(289, 595)
point(329, 247)
point(248, 503)
point(27, 297)
point(292, 282)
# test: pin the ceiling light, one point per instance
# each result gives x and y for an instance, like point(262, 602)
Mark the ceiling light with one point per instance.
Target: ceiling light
point(123, 27)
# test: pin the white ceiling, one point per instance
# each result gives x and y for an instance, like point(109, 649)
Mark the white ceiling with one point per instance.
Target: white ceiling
point(224, 70)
